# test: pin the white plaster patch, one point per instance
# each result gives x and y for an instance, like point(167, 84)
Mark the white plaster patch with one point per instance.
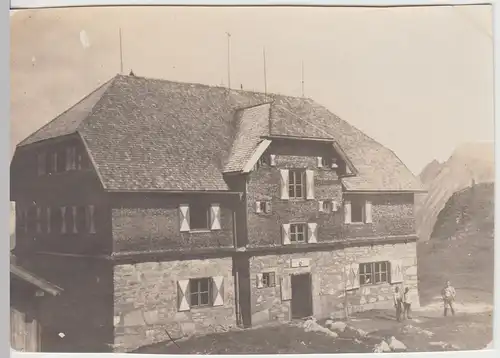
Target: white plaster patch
point(84, 39)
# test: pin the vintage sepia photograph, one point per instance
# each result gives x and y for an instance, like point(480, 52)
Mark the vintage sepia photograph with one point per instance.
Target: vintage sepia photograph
point(251, 180)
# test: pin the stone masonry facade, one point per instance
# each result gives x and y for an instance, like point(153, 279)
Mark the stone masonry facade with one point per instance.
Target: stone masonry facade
point(146, 302)
point(326, 269)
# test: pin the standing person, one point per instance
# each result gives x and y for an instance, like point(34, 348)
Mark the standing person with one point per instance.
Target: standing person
point(397, 303)
point(407, 304)
point(448, 295)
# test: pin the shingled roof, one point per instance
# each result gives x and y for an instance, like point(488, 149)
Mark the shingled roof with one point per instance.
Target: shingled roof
point(150, 134)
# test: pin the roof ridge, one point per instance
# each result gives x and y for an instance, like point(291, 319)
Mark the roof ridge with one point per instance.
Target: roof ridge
point(22, 143)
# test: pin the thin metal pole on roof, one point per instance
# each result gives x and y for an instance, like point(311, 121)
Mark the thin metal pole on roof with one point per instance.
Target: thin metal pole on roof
point(228, 60)
point(121, 52)
point(265, 73)
point(302, 78)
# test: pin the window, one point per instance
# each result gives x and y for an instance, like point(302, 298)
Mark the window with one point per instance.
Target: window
point(268, 279)
point(263, 207)
point(373, 272)
point(296, 184)
point(70, 158)
point(357, 212)
point(200, 292)
point(199, 216)
point(298, 233)
point(31, 219)
point(326, 162)
point(55, 219)
point(81, 219)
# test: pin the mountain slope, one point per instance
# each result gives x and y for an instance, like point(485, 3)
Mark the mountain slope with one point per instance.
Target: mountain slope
point(461, 249)
point(470, 163)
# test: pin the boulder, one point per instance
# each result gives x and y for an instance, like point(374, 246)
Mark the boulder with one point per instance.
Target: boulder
point(396, 346)
point(338, 326)
point(382, 347)
point(312, 326)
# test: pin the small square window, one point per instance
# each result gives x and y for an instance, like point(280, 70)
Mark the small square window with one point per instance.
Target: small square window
point(200, 292)
point(268, 279)
point(298, 233)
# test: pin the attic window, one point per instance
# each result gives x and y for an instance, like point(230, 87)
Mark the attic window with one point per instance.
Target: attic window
point(329, 162)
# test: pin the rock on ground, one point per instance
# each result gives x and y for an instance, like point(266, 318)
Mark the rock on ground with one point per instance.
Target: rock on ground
point(396, 346)
point(336, 326)
point(489, 345)
point(382, 347)
point(313, 326)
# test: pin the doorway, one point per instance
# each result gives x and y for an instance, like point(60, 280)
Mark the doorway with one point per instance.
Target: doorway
point(301, 296)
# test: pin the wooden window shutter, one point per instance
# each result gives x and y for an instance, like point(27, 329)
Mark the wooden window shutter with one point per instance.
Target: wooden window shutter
point(91, 219)
point(218, 291)
point(284, 184)
point(38, 219)
point(183, 295)
point(335, 205)
point(312, 234)
point(63, 220)
point(320, 205)
point(347, 212)
point(309, 184)
point(258, 281)
point(184, 217)
point(215, 217)
point(285, 232)
point(48, 220)
point(351, 276)
point(368, 212)
point(396, 271)
point(257, 207)
point(75, 230)
point(320, 162)
point(42, 165)
point(272, 160)
point(286, 288)
point(268, 206)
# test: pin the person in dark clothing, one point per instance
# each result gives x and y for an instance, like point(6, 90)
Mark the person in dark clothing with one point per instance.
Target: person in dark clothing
point(448, 293)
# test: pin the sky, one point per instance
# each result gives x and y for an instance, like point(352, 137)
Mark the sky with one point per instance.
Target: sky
point(417, 80)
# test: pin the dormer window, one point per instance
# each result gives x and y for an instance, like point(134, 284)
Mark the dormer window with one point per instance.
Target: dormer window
point(327, 162)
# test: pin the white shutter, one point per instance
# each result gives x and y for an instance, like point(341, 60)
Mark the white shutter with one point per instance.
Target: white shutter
point(272, 160)
point(38, 219)
point(396, 271)
point(257, 207)
point(75, 230)
point(310, 184)
point(268, 206)
point(184, 217)
point(312, 236)
point(218, 290)
point(48, 220)
point(320, 162)
point(347, 212)
point(286, 288)
point(91, 219)
point(258, 281)
point(335, 205)
point(368, 212)
point(285, 232)
point(351, 273)
point(183, 295)
point(320, 205)
point(63, 220)
point(215, 217)
point(284, 184)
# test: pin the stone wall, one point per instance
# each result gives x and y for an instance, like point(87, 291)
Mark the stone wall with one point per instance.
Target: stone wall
point(152, 222)
point(326, 268)
point(145, 302)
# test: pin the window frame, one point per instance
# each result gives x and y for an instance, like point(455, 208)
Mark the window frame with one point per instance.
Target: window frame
point(293, 234)
point(267, 282)
point(375, 276)
point(293, 175)
point(198, 292)
point(362, 204)
point(207, 208)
